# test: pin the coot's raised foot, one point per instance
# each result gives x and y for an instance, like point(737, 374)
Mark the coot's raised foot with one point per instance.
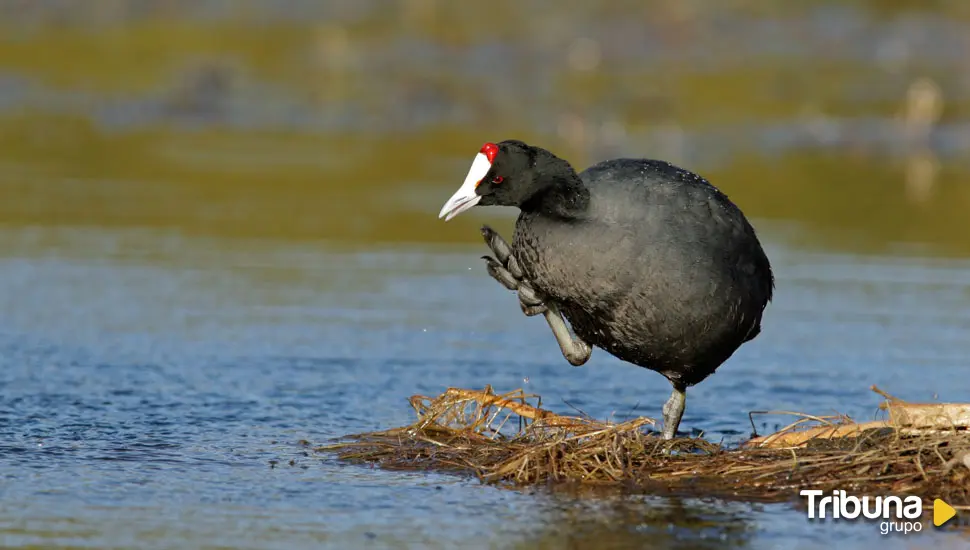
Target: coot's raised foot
point(505, 269)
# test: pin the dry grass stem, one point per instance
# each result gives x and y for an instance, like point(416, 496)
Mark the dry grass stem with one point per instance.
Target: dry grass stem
point(921, 449)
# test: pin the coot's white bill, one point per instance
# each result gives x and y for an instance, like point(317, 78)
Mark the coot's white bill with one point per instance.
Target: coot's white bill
point(465, 197)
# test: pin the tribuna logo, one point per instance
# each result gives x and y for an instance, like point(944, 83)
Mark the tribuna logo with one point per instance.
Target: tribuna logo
point(897, 513)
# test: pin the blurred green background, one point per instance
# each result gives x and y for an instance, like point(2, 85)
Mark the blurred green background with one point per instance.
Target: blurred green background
point(842, 124)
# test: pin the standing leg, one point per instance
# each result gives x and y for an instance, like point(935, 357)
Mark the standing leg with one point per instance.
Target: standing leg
point(674, 410)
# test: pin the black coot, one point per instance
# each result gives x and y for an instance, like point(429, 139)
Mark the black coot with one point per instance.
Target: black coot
point(646, 260)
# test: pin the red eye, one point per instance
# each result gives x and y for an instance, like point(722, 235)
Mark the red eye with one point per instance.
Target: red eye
point(498, 179)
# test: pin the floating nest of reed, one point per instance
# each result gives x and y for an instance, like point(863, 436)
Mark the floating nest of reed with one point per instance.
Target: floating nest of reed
point(920, 449)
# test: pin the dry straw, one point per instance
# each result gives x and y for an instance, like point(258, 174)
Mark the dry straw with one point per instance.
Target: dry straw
point(921, 449)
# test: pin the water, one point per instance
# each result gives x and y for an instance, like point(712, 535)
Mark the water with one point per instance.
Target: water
point(162, 404)
point(218, 240)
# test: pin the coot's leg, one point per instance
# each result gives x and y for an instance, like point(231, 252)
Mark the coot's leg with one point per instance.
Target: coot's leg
point(574, 349)
point(674, 410)
point(506, 270)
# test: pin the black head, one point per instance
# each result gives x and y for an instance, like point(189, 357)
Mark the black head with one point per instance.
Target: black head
point(505, 174)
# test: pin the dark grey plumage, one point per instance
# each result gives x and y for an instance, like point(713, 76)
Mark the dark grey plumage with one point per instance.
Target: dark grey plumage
point(661, 269)
point(646, 260)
